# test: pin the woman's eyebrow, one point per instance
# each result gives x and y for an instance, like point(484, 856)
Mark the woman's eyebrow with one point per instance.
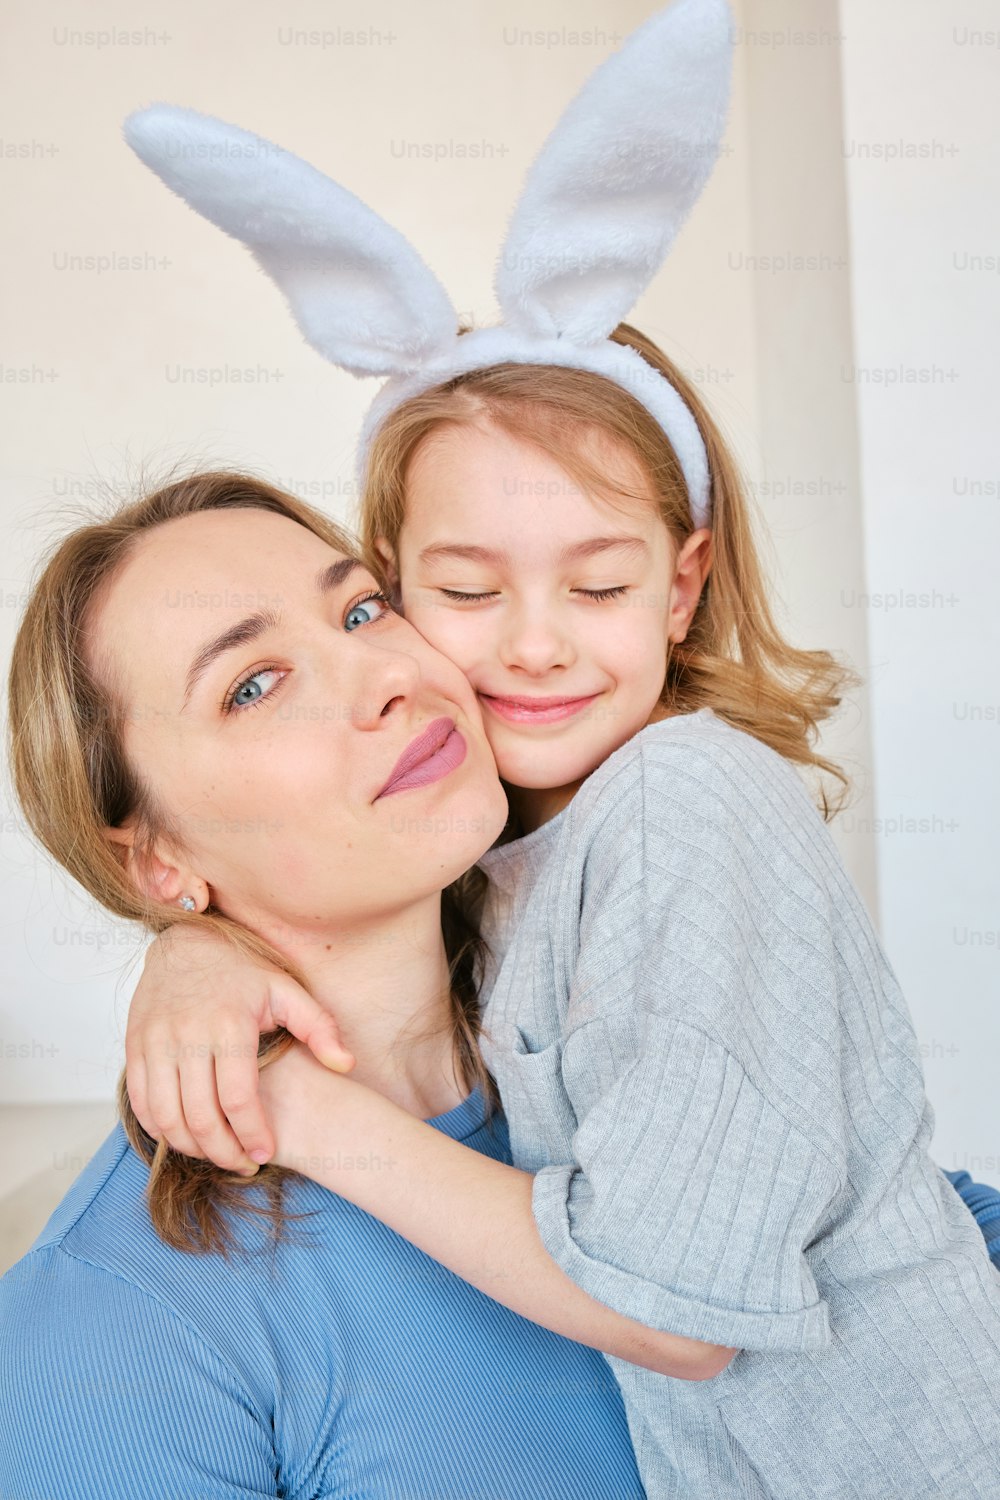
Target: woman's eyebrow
point(254, 625)
point(333, 576)
point(573, 553)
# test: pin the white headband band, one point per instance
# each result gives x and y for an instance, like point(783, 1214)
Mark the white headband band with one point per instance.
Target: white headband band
point(598, 213)
point(484, 347)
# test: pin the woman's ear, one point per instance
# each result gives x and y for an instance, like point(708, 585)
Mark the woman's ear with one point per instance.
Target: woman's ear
point(156, 873)
point(694, 563)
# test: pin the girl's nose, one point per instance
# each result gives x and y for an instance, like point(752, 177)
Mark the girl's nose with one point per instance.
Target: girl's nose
point(533, 640)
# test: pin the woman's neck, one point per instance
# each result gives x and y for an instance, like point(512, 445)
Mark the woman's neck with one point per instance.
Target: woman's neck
point(388, 987)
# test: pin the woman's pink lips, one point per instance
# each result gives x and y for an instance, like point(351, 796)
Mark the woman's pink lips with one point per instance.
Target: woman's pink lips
point(519, 711)
point(440, 749)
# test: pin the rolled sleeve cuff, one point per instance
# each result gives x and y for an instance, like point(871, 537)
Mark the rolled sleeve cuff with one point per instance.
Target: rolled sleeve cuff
point(655, 1306)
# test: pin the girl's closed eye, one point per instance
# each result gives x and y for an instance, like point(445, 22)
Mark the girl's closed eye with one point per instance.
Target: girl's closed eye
point(599, 594)
point(231, 702)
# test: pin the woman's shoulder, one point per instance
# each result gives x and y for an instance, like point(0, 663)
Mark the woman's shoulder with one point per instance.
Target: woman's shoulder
point(100, 1264)
point(96, 1332)
point(98, 1244)
point(96, 1198)
point(102, 1231)
point(102, 1225)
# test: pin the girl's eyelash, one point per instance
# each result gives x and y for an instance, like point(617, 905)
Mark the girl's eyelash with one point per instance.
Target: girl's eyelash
point(228, 705)
point(590, 593)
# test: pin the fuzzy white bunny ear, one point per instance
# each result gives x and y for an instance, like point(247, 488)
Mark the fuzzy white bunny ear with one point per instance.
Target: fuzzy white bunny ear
point(618, 176)
point(358, 290)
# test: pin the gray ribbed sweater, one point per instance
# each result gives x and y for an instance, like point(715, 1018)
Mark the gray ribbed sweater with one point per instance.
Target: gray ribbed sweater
point(706, 1058)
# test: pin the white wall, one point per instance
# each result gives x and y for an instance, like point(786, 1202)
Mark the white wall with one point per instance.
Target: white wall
point(102, 351)
point(922, 82)
point(797, 267)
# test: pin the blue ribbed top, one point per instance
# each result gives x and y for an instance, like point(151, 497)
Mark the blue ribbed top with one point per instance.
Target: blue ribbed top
point(345, 1364)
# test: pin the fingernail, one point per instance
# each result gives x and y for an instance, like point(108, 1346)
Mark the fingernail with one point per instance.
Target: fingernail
point(260, 1157)
point(248, 1171)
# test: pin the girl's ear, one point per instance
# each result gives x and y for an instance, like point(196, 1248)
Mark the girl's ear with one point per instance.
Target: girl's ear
point(387, 553)
point(390, 567)
point(357, 288)
point(694, 563)
point(158, 879)
point(618, 176)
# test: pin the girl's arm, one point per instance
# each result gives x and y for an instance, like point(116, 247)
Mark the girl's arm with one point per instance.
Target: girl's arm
point(191, 1045)
point(193, 1078)
point(468, 1212)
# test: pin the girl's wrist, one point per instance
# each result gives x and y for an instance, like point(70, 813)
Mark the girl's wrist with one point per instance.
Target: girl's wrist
point(313, 1112)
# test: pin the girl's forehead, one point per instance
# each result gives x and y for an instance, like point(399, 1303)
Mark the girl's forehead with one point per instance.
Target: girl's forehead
point(535, 497)
point(473, 462)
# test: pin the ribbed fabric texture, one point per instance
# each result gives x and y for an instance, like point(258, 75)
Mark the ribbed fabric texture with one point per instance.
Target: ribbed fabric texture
point(347, 1365)
point(706, 1059)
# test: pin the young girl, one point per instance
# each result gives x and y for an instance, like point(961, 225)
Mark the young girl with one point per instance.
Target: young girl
point(712, 1083)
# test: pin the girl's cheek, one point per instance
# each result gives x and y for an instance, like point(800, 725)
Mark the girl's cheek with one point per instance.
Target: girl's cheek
point(454, 635)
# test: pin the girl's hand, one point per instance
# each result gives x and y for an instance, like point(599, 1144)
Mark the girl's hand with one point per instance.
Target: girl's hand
point(191, 1045)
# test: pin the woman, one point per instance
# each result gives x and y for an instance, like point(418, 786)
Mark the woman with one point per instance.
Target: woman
point(304, 1349)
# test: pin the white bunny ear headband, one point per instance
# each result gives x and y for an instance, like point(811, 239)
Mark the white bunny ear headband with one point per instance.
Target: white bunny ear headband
point(599, 210)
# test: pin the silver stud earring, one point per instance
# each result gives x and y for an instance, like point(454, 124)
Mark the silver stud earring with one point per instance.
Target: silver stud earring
point(188, 903)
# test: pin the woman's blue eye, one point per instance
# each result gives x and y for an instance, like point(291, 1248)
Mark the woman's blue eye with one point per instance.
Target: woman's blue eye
point(375, 596)
point(242, 697)
point(239, 701)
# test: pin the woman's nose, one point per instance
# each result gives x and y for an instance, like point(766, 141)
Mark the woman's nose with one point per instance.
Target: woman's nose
point(383, 682)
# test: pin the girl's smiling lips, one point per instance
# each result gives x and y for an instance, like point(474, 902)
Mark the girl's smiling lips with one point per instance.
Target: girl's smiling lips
point(526, 710)
point(434, 752)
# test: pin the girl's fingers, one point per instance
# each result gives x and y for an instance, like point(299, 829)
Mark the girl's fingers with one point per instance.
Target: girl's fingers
point(204, 1120)
point(166, 1109)
point(237, 1078)
point(138, 1093)
point(296, 1010)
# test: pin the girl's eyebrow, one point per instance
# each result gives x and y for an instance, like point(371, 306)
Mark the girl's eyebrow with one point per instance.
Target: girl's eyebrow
point(254, 625)
point(573, 553)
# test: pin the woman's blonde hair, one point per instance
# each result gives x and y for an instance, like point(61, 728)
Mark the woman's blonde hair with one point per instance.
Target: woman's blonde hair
point(74, 782)
point(734, 659)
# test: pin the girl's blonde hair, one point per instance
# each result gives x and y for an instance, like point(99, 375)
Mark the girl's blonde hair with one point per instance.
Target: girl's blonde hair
point(73, 781)
point(734, 659)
